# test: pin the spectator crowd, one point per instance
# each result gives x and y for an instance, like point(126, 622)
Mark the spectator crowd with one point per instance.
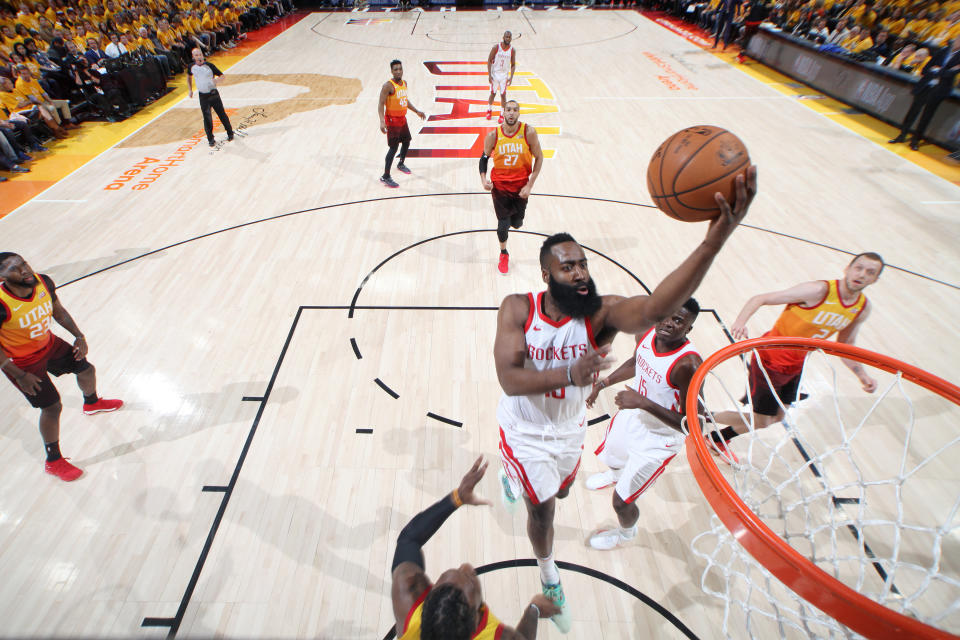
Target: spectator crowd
point(899, 34)
point(64, 61)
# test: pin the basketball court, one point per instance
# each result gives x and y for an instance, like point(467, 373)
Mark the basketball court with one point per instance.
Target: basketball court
point(306, 356)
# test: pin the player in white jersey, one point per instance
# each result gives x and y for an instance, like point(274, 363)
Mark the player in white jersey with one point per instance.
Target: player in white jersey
point(644, 436)
point(501, 62)
point(549, 349)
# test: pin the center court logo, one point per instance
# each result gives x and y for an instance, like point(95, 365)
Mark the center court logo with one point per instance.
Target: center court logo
point(459, 77)
point(366, 22)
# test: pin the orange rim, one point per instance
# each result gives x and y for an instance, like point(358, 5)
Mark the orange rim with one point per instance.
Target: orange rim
point(814, 585)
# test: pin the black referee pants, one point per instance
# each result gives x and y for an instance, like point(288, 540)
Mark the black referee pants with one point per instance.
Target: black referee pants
point(212, 100)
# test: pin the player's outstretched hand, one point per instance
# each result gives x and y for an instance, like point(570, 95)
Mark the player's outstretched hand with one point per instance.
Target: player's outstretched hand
point(547, 607)
point(593, 394)
point(730, 216)
point(470, 480)
point(586, 369)
point(739, 331)
point(869, 384)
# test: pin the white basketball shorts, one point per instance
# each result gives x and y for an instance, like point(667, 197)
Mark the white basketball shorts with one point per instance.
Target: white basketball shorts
point(499, 85)
point(537, 460)
point(641, 454)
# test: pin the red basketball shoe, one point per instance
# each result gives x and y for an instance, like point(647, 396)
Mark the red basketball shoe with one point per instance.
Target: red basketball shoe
point(500, 120)
point(489, 113)
point(63, 469)
point(102, 406)
point(504, 265)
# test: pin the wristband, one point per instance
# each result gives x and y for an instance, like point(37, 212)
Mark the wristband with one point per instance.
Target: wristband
point(457, 502)
point(535, 608)
point(570, 373)
point(603, 384)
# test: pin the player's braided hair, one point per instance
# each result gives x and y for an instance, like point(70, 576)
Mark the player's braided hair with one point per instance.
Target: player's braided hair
point(446, 615)
point(549, 243)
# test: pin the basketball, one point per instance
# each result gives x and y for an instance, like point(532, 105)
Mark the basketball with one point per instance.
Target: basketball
point(692, 165)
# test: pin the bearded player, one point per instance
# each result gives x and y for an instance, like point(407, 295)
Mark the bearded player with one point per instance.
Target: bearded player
point(29, 352)
point(646, 434)
point(517, 159)
point(817, 309)
point(550, 346)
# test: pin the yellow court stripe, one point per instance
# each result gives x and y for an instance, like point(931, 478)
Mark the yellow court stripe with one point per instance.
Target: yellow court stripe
point(930, 157)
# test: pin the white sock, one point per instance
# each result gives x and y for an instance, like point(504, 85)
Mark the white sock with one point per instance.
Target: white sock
point(628, 534)
point(548, 570)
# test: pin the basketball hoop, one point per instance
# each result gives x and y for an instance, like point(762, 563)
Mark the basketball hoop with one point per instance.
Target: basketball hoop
point(800, 495)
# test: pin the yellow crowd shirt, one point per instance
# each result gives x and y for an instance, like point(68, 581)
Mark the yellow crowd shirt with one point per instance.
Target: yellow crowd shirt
point(27, 89)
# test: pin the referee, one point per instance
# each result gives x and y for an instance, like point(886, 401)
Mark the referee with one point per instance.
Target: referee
point(206, 74)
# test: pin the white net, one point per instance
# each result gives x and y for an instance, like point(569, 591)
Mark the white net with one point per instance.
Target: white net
point(865, 486)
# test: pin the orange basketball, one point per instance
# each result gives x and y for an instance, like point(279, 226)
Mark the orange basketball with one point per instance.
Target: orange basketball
point(692, 165)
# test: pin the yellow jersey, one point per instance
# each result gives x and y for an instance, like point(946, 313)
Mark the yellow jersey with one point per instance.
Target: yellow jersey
point(512, 160)
point(821, 320)
point(25, 335)
point(489, 627)
point(396, 107)
point(147, 44)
